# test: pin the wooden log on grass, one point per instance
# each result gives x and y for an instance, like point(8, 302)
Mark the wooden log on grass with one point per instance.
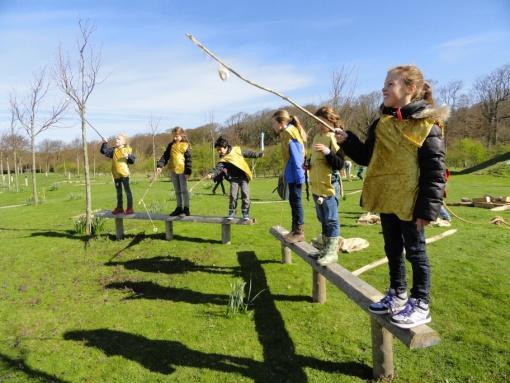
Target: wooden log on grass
point(384, 260)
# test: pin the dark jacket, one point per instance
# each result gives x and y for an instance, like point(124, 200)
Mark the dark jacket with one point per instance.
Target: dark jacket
point(430, 160)
point(166, 157)
point(336, 160)
point(228, 171)
point(108, 152)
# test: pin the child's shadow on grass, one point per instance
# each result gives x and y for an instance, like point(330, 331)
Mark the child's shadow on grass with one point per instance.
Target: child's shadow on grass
point(172, 265)
point(20, 366)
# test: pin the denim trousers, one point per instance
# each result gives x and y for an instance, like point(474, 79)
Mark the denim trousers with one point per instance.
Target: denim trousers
point(327, 214)
point(399, 235)
point(181, 189)
point(119, 182)
point(295, 191)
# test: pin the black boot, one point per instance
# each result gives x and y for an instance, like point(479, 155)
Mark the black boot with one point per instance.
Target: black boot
point(176, 212)
point(185, 211)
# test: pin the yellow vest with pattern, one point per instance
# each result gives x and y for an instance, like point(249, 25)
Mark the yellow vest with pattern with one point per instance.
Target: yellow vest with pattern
point(176, 161)
point(392, 178)
point(119, 162)
point(320, 171)
point(235, 157)
point(286, 135)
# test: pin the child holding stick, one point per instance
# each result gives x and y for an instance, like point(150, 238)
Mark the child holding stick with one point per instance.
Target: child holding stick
point(326, 158)
point(293, 140)
point(404, 182)
point(121, 155)
point(178, 157)
point(234, 168)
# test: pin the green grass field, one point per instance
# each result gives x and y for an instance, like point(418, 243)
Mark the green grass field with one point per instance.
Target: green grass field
point(147, 310)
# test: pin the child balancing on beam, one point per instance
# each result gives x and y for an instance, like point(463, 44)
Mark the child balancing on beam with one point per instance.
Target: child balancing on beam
point(233, 167)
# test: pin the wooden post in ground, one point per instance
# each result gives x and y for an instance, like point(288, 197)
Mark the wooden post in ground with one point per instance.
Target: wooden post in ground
point(382, 351)
point(286, 255)
point(169, 230)
point(225, 234)
point(318, 287)
point(119, 228)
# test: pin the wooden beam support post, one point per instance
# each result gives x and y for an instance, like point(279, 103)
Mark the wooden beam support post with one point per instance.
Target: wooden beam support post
point(169, 227)
point(225, 234)
point(382, 351)
point(286, 255)
point(119, 228)
point(318, 287)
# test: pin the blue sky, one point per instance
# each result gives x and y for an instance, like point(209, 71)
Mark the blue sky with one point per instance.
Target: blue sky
point(290, 46)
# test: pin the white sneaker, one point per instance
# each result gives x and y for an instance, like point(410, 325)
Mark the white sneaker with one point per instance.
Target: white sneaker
point(391, 303)
point(415, 313)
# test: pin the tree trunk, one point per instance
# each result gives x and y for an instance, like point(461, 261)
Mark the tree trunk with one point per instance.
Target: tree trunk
point(34, 183)
point(88, 194)
point(153, 154)
point(16, 167)
point(8, 175)
point(2, 167)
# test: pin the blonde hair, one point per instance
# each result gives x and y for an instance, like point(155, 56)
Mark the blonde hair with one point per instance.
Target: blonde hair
point(283, 116)
point(124, 137)
point(330, 115)
point(180, 131)
point(412, 75)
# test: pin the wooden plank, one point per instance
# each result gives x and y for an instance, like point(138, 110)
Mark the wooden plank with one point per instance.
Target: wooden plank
point(318, 287)
point(169, 230)
point(286, 255)
point(360, 293)
point(225, 234)
point(119, 228)
point(191, 218)
point(382, 351)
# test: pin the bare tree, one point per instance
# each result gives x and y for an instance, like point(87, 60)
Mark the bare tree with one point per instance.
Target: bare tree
point(492, 92)
point(449, 93)
point(343, 85)
point(78, 83)
point(153, 129)
point(27, 113)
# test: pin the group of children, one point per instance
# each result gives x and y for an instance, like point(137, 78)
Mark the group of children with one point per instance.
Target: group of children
point(404, 181)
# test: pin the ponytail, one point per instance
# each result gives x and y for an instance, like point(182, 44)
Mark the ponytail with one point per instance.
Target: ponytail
point(295, 121)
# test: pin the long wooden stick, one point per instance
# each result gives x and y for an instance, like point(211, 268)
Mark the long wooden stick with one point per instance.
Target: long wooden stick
point(216, 58)
point(199, 182)
point(95, 130)
point(384, 260)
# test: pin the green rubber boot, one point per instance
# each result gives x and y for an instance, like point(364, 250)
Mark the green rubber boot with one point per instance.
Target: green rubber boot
point(330, 251)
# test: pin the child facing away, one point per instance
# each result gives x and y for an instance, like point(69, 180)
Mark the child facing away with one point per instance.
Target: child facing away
point(233, 167)
point(178, 157)
point(293, 139)
point(121, 155)
point(404, 182)
point(326, 158)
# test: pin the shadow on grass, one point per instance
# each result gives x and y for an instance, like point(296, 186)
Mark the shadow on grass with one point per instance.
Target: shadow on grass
point(151, 290)
point(164, 356)
point(19, 366)
point(280, 360)
point(172, 265)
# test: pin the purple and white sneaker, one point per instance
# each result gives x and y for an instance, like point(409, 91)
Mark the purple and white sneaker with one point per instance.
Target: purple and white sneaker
point(416, 312)
point(391, 303)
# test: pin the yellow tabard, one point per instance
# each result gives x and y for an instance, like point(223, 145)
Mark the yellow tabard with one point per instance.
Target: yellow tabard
point(176, 162)
point(288, 134)
point(320, 171)
point(392, 178)
point(235, 157)
point(119, 162)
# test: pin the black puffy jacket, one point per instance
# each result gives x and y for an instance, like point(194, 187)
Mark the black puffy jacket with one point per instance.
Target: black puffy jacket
point(430, 160)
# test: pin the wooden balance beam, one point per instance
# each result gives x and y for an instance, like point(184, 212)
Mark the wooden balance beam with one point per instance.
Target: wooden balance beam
point(169, 230)
point(362, 294)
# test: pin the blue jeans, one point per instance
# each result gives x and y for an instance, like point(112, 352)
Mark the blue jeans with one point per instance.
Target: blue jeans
point(298, 216)
point(398, 235)
point(327, 214)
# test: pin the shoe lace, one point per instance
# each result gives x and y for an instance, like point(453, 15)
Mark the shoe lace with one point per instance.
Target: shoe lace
point(408, 309)
point(388, 298)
